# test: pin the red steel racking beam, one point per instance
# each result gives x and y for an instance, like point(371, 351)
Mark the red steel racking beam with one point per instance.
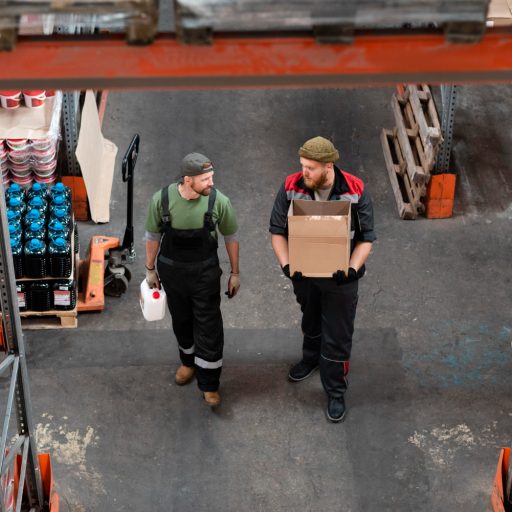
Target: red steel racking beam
point(237, 62)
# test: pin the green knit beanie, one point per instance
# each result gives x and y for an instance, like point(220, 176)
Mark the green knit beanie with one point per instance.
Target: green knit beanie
point(319, 149)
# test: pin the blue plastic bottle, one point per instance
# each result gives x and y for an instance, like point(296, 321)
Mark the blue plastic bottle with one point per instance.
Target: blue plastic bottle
point(32, 216)
point(37, 189)
point(59, 258)
point(39, 296)
point(36, 230)
point(15, 231)
point(60, 200)
point(60, 189)
point(35, 258)
point(14, 190)
point(13, 216)
point(17, 204)
point(64, 295)
point(21, 292)
point(57, 230)
point(37, 203)
point(62, 215)
point(17, 257)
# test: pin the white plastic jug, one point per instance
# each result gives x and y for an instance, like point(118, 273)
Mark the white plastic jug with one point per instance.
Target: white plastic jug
point(153, 302)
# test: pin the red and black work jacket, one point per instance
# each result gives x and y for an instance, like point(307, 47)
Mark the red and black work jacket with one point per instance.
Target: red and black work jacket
point(347, 187)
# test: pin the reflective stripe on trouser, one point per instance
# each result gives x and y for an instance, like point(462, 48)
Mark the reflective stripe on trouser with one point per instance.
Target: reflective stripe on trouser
point(193, 297)
point(328, 314)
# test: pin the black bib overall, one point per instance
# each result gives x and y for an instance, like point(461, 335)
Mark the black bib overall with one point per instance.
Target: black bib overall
point(189, 270)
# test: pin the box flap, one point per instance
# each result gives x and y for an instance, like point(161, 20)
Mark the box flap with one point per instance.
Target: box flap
point(318, 225)
point(300, 207)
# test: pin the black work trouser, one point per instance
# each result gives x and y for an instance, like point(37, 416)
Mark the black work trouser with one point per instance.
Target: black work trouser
point(328, 314)
point(193, 297)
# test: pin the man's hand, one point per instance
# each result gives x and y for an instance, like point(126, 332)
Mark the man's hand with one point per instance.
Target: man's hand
point(297, 276)
point(152, 278)
point(353, 275)
point(233, 285)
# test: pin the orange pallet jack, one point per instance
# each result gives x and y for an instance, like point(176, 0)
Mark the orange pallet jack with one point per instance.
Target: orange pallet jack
point(95, 280)
point(501, 498)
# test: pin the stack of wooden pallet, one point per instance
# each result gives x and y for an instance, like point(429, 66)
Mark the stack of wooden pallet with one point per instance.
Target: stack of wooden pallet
point(411, 148)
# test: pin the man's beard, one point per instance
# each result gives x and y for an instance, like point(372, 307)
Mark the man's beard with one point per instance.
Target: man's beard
point(204, 192)
point(318, 184)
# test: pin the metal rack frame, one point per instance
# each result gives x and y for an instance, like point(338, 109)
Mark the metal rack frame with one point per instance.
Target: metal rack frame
point(235, 60)
point(448, 101)
point(30, 483)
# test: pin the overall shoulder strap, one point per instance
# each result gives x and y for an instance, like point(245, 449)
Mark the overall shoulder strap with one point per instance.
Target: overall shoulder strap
point(208, 216)
point(166, 214)
point(211, 200)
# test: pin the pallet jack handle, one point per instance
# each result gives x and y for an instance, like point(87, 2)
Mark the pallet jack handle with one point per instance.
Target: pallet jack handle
point(128, 168)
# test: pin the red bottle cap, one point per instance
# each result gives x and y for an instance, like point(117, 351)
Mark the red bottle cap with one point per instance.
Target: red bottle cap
point(156, 295)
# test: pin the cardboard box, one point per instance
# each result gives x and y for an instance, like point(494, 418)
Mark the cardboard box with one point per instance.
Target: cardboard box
point(500, 13)
point(318, 237)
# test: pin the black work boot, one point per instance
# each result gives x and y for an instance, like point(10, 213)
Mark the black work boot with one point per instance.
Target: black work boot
point(301, 371)
point(336, 409)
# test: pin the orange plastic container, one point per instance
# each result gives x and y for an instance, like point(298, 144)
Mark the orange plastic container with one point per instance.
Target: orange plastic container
point(45, 467)
point(497, 497)
point(440, 196)
point(79, 194)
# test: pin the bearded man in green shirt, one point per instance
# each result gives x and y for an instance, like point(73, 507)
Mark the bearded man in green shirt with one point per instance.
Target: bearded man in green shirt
point(181, 238)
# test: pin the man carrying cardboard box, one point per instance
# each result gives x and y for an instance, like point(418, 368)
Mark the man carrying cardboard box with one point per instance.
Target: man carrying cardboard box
point(328, 304)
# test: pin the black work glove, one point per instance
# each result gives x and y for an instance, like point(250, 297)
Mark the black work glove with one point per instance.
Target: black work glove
point(353, 275)
point(297, 276)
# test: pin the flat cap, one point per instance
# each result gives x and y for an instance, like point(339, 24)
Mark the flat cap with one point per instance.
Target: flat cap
point(319, 149)
point(195, 164)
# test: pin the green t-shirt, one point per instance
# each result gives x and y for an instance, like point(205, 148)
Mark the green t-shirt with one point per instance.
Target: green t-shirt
point(187, 214)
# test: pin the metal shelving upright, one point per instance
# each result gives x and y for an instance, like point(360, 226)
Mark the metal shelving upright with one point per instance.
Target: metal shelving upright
point(30, 489)
point(448, 100)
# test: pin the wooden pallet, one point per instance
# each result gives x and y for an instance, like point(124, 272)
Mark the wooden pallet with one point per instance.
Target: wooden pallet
point(421, 116)
point(408, 195)
point(417, 165)
point(49, 319)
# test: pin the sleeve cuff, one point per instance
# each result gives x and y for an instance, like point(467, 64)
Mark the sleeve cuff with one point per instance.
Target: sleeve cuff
point(275, 230)
point(152, 237)
point(230, 238)
point(367, 237)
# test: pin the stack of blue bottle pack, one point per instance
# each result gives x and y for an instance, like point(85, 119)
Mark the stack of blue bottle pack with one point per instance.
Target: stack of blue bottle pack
point(42, 233)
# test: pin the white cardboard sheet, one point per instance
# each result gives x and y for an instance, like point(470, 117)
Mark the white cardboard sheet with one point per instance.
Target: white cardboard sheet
point(96, 156)
point(32, 123)
point(500, 13)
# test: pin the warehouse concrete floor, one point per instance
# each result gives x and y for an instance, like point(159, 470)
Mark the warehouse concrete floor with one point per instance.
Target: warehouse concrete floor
point(430, 382)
